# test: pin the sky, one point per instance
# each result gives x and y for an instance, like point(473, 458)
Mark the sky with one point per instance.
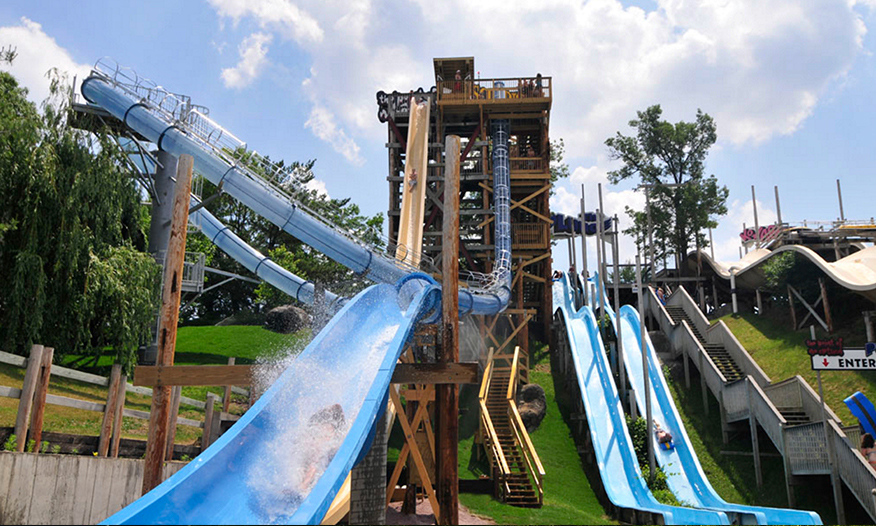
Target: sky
point(790, 83)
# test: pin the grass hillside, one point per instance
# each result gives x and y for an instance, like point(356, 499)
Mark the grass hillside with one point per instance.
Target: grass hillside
point(568, 497)
point(781, 353)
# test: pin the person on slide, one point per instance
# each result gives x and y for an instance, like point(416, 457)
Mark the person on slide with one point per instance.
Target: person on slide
point(664, 437)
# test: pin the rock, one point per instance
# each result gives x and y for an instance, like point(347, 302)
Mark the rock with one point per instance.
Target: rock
point(286, 319)
point(532, 406)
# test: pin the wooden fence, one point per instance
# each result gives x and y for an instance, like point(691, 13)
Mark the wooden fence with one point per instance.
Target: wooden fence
point(33, 397)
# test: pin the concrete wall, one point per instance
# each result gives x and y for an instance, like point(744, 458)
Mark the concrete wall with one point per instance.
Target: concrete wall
point(67, 489)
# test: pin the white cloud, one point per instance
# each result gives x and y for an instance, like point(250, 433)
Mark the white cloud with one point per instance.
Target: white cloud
point(319, 186)
point(253, 59)
point(759, 68)
point(37, 54)
point(276, 15)
point(739, 213)
point(322, 124)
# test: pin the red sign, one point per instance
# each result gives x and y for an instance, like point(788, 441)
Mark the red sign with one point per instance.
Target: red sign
point(831, 347)
point(764, 233)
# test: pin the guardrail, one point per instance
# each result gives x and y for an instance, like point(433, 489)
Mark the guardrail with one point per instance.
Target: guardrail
point(493, 90)
point(521, 436)
point(803, 447)
point(491, 440)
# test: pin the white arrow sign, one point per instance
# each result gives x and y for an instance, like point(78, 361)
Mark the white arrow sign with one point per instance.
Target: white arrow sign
point(849, 360)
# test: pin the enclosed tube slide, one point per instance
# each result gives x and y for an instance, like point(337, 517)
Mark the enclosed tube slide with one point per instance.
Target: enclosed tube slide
point(257, 194)
point(267, 467)
point(256, 262)
point(618, 467)
point(682, 467)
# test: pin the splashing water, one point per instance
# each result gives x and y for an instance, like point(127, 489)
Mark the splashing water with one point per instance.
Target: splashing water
point(291, 462)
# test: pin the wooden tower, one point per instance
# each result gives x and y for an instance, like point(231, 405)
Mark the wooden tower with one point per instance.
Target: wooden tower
point(464, 105)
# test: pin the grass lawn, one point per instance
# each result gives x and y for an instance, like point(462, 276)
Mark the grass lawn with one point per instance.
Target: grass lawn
point(195, 346)
point(781, 353)
point(568, 498)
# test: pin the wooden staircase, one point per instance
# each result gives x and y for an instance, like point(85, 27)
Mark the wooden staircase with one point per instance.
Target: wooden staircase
point(716, 351)
point(517, 470)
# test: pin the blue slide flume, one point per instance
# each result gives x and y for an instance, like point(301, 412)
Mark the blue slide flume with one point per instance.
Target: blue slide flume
point(256, 473)
point(682, 467)
point(612, 445)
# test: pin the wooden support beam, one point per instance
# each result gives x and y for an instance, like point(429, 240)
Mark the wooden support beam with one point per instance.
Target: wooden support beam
point(176, 394)
point(435, 373)
point(447, 395)
point(209, 415)
point(39, 397)
point(808, 307)
point(117, 416)
point(25, 402)
point(109, 412)
point(189, 375)
point(170, 297)
point(827, 316)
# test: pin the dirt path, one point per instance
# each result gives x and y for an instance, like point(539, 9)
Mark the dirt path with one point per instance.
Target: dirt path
point(424, 515)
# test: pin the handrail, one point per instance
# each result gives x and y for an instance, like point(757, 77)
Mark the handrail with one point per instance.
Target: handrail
point(487, 423)
point(533, 462)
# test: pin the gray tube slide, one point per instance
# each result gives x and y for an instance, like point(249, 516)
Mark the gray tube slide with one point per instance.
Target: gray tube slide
point(257, 263)
point(273, 205)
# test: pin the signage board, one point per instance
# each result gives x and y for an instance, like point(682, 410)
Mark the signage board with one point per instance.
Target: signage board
point(846, 360)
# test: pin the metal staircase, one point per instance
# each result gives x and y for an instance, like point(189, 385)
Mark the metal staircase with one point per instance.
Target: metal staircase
point(517, 470)
point(716, 351)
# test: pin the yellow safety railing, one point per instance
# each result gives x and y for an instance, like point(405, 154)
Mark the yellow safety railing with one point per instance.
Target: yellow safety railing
point(491, 439)
point(533, 463)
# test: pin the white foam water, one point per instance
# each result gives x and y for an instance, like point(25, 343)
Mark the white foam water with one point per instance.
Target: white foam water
point(291, 462)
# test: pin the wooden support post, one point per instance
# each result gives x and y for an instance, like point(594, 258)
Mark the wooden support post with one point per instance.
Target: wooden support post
point(226, 399)
point(39, 398)
point(827, 317)
point(209, 415)
point(176, 394)
point(868, 325)
point(25, 403)
point(793, 312)
point(759, 302)
point(172, 290)
point(117, 416)
point(109, 412)
point(447, 395)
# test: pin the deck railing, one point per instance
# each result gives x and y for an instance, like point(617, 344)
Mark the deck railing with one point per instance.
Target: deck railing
point(529, 235)
point(494, 90)
point(491, 439)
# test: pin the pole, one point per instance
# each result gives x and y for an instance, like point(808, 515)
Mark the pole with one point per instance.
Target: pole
point(602, 229)
point(620, 345)
point(647, 393)
point(600, 257)
point(446, 395)
point(711, 244)
point(733, 289)
point(744, 244)
point(839, 194)
point(652, 273)
point(778, 206)
point(756, 224)
point(173, 267)
point(584, 246)
point(828, 443)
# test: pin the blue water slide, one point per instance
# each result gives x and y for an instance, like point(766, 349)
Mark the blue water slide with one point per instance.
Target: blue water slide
point(862, 408)
point(684, 473)
point(262, 471)
point(618, 466)
point(268, 201)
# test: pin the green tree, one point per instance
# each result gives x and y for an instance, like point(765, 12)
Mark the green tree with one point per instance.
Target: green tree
point(72, 235)
point(663, 153)
point(559, 169)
